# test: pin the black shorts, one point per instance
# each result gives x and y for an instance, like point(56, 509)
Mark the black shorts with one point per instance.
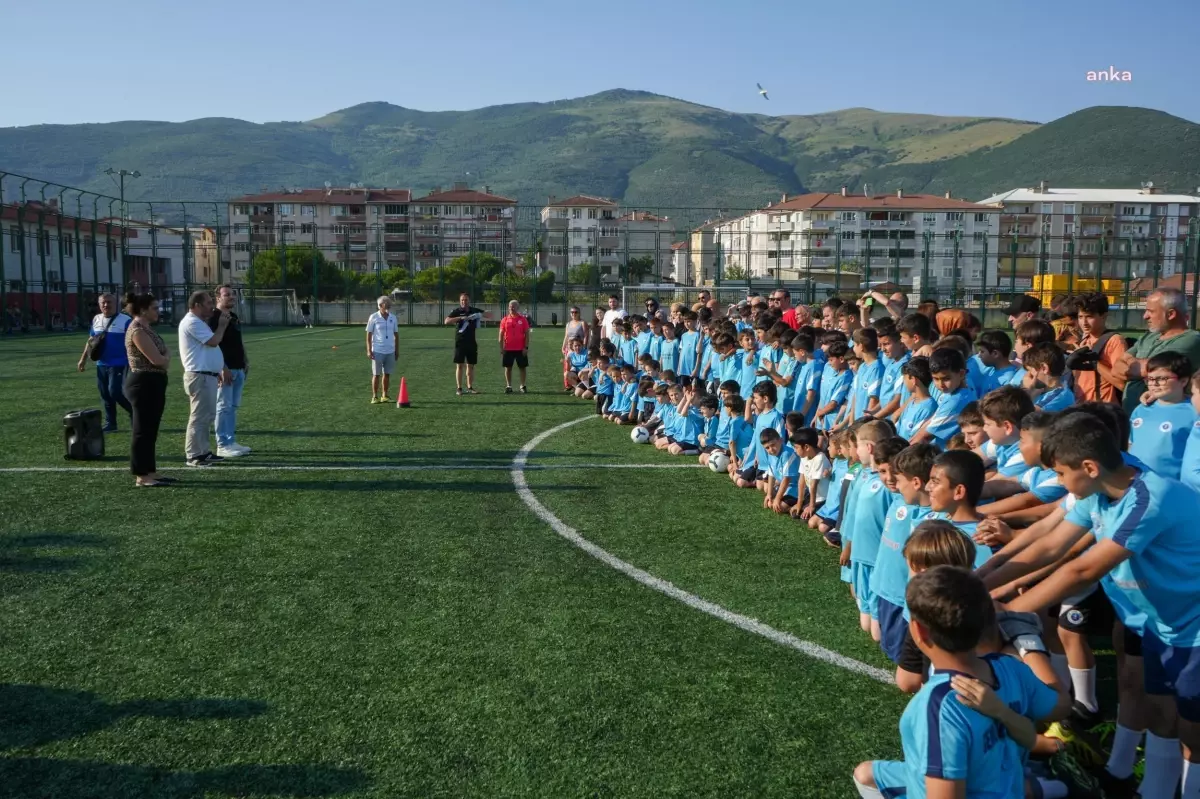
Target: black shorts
point(912, 659)
point(466, 352)
point(788, 501)
point(710, 449)
point(1091, 615)
point(751, 475)
point(517, 357)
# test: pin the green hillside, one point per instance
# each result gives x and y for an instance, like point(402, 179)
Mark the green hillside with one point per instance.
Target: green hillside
point(646, 149)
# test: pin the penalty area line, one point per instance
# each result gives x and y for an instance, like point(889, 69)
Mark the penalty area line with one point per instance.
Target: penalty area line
point(519, 466)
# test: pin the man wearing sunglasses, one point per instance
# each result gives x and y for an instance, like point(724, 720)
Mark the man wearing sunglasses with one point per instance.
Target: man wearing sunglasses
point(780, 301)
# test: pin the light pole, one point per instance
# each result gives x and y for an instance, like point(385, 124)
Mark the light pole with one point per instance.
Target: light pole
point(121, 174)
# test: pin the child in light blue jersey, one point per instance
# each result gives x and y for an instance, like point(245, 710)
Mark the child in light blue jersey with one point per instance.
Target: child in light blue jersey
point(626, 345)
point(668, 356)
point(752, 469)
point(949, 371)
point(864, 391)
point(835, 386)
point(576, 364)
point(1037, 486)
point(669, 413)
point(686, 438)
point(1190, 467)
point(747, 360)
point(624, 391)
point(722, 431)
point(741, 434)
point(949, 748)
point(727, 368)
point(894, 355)
point(806, 379)
point(604, 384)
point(919, 406)
point(782, 487)
point(870, 515)
point(782, 373)
point(642, 335)
point(689, 349)
point(710, 413)
point(1027, 335)
point(993, 349)
point(1002, 411)
point(954, 486)
point(656, 338)
point(1045, 365)
point(825, 519)
point(661, 399)
point(1161, 424)
point(910, 471)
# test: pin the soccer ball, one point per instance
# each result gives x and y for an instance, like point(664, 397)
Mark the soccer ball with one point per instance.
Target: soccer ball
point(718, 462)
point(639, 435)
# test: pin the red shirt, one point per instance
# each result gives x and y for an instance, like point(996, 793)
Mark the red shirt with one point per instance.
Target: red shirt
point(789, 319)
point(514, 330)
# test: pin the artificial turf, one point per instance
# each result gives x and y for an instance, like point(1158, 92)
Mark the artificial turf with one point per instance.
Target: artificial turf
point(418, 632)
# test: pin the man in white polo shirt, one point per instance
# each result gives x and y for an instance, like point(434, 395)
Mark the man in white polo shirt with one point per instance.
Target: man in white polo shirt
point(203, 370)
point(383, 341)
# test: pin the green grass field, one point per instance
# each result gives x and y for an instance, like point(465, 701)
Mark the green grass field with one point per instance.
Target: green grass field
point(403, 624)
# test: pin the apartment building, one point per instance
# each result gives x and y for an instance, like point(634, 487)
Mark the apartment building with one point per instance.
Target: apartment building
point(877, 236)
point(1089, 231)
point(447, 224)
point(357, 228)
point(593, 230)
point(161, 255)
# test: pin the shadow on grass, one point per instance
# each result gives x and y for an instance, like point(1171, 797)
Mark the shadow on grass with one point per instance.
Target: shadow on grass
point(21, 555)
point(37, 715)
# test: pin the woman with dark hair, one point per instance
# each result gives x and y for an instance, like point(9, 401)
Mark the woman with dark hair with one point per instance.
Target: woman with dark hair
point(146, 388)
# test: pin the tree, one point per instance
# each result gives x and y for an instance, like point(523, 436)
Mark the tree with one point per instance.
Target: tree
point(852, 266)
point(332, 282)
point(584, 275)
point(486, 266)
point(734, 272)
point(638, 268)
point(531, 258)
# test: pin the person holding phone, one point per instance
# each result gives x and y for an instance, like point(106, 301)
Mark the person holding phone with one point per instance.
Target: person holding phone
point(896, 305)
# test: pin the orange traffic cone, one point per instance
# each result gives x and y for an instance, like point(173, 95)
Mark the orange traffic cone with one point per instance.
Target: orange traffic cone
point(402, 397)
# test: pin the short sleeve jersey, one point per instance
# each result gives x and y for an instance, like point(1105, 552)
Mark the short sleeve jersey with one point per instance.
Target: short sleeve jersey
point(689, 353)
point(1007, 458)
point(835, 387)
point(870, 515)
point(668, 356)
point(771, 419)
point(383, 332)
point(786, 465)
point(889, 579)
point(1187, 342)
point(943, 424)
point(113, 353)
point(1043, 483)
point(515, 332)
point(469, 319)
point(1056, 399)
point(1158, 435)
point(914, 415)
point(1154, 520)
point(866, 385)
point(893, 381)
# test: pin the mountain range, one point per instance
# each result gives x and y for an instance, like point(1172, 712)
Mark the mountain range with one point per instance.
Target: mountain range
point(647, 150)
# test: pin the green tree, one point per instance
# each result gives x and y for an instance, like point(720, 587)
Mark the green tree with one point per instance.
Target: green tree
point(486, 266)
point(529, 260)
point(734, 272)
point(584, 275)
point(332, 282)
point(852, 266)
point(638, 268)
point(394, 277)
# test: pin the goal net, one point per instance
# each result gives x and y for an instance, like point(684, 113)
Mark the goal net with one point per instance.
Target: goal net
point(271, 306)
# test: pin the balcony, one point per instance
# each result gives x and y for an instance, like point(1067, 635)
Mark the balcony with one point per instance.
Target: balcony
point(351, 218)
point(262, 219)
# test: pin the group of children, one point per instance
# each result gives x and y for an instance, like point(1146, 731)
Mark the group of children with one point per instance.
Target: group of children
point(947, 472)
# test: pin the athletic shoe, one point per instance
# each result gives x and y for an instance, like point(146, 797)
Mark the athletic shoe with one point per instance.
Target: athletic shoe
point(374, 400)
point(1080, 782)
point(1082, 751)
point(458, 392)
point(1083, 718)
point(523, 391)
point(833, 538)
point(508, 389)
point(242, 448)
point(471, 390)
point(199, 463)
point(229, 452)
point(212, 458)
point(384, 399)
point(108, 428)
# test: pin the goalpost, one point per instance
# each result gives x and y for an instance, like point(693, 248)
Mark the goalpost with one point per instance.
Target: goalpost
point(269, 305)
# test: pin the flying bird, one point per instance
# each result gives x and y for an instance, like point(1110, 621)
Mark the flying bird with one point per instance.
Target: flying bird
point(762, 91)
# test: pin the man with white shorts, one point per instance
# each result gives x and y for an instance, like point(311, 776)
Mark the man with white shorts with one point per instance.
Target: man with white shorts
point(383, 342)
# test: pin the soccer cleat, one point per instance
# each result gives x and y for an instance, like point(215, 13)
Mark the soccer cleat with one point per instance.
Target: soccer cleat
point(1082, 751)
point(508, 389)
point(458, 392)
point(384, 399)
point(374, 400)
point(1117, 787)
point(1083, 718)
point(523, 391)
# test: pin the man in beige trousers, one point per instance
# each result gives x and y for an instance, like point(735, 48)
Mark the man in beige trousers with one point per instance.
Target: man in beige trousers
point(203, 371)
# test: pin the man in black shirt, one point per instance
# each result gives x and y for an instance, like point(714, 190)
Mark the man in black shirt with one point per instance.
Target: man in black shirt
point(466, 350)
point(233, 376)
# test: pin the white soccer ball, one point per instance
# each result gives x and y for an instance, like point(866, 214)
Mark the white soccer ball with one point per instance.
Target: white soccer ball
point(639, 435)
point(718, 462)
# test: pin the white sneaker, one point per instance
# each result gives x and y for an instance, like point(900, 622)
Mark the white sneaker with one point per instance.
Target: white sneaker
point(229, 452)
point(243, 448)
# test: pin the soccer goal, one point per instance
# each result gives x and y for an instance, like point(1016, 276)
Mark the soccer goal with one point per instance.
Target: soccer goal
point(270, 306)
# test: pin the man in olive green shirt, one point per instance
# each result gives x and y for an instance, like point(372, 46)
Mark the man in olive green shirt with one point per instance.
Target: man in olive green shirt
point(1167, 331)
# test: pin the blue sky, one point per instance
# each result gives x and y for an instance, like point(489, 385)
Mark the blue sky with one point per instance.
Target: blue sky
point(82, 61)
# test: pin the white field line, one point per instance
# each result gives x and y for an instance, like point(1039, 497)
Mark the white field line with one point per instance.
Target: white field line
point(815, 651)
point(398, 467)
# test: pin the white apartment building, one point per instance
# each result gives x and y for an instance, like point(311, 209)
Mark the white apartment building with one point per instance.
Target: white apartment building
point(357, 228)
point(1058, 231)
point(165, 255)
point(447, 224)
point(879, 237)
point(593, 230)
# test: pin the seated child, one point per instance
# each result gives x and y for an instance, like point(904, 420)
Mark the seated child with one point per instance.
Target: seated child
point(815, 471)
point(781, 489)
point(949, 371)
point(1045, 365)
point(686, 439)
point(970, 426)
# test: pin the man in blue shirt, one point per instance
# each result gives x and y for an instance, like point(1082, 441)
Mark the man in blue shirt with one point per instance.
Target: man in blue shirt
point(107, 335)
point(1146, 557)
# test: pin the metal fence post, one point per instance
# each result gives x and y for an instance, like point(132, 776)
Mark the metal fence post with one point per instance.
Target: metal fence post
point(983, 285)
point(1128, 280)
point(283, 267)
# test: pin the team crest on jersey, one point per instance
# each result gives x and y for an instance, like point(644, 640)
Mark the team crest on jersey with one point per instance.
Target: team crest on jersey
point(1136, 423)
point(1165, 427)
point(901, 514)
point(1075, 616)
point(875, 486)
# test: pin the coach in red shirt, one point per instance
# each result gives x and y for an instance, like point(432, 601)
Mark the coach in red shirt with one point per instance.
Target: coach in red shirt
point(514, 344)
point(781, 299)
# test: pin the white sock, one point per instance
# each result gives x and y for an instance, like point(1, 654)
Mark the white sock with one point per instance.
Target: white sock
point(1124, 752)
point(867, 792)
point(1164, 764)
point(1084, 683)
point(1061, 669)
point(1191, 781)
point(1052, 789)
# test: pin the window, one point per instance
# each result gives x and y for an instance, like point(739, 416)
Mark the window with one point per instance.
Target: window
point(849, 216)
point(556, 249)
point(395, 246)
point(308, 210)
point(43, 243)
point(929, 219)
point(89, 248)
point(286, 209)
point(395, 228)
point(1069, 208)
point(1047, 208)
point(241, 210)
point(452, 246)
point(241, 228)
point(241, 246)
point(576, 213)
point(68, 245)
point(306, 228)
point(447, 210)
point(592, 213)
point(337, 210)
point(1069, 229)
point(15, 241)
point(848, 235)
point(577, 250)
point(241, 266)
point(468, 210)
point(606, 252)
point(450, 230)
point(591, 251)
point(287, 227)
point(112, 250)
point(954, 216)
point(979, 236)
point(981, 218)
point(395, 210)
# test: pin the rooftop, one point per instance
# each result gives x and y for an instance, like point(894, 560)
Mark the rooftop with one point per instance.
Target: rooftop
point(466, 196)
point(582, 200)
point(850, 202)
point(1051, 195)
point(331, 196)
